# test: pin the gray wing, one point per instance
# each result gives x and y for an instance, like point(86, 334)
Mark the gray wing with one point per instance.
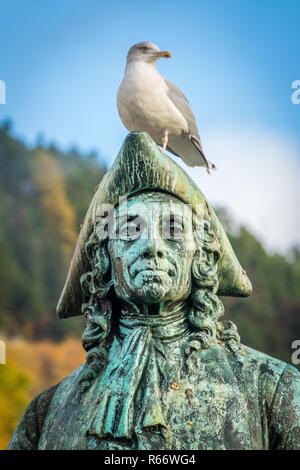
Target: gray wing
point(181, 103)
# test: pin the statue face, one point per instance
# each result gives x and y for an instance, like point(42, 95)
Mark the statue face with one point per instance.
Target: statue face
point(152, 253)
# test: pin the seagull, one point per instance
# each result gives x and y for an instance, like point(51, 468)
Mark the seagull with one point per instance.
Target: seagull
point(149, 102)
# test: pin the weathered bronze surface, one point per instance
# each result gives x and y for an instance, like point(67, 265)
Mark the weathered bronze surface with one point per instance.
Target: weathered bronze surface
point(162, 371)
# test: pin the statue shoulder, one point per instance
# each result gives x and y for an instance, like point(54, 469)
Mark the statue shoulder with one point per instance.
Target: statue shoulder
point(264, 362)
point(279, 390)
point(270, 371)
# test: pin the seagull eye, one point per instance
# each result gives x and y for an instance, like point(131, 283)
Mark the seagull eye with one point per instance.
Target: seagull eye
point(144, 48)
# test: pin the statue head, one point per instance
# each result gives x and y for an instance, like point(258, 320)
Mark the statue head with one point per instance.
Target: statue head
point(150, 244)
point(152, 250)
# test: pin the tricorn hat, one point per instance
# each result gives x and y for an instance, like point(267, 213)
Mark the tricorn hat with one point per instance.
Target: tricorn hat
point(139, 166)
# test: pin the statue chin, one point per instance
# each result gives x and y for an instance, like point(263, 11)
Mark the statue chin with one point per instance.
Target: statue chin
point(152, 286)
point(153, 293)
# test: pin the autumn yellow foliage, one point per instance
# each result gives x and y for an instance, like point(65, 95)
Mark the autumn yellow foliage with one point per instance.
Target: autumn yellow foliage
point(49, 182)
point(31, 368)
point(13, 398)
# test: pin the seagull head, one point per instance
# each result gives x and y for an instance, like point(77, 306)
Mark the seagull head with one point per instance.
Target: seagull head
point(146, 52)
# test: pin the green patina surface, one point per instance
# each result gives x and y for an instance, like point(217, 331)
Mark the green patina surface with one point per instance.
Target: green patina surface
point(141, 165)
point(245, 401)
point(162, 371)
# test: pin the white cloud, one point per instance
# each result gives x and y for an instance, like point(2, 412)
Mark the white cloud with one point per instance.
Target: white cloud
point(257, 180)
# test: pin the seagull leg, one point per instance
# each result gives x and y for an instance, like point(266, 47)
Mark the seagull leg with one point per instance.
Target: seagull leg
point(165, 141)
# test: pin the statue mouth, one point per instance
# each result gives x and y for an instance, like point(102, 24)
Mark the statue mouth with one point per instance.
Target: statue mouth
point(152, 272)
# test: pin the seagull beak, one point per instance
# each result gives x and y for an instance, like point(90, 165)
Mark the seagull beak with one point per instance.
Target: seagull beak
point(165, 54)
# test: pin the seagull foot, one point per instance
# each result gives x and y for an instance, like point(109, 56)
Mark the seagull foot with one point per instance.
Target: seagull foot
point(165, 141)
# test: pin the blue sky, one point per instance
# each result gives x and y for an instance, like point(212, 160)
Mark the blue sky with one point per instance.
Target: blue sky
point(62, 62)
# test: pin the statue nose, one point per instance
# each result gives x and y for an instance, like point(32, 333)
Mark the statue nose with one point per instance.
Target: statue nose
point(153, 247)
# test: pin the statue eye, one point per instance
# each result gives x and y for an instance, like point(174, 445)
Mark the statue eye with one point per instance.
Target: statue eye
point(176, 230)
point(172, 229)
point(131, 230)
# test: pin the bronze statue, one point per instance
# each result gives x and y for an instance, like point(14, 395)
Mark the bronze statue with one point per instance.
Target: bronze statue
point(162, 370)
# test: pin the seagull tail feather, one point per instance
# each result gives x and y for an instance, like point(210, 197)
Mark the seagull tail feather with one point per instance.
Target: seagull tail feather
point(209, 165)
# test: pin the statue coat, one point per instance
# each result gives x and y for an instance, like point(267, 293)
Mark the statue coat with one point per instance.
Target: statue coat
point(223, 400)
